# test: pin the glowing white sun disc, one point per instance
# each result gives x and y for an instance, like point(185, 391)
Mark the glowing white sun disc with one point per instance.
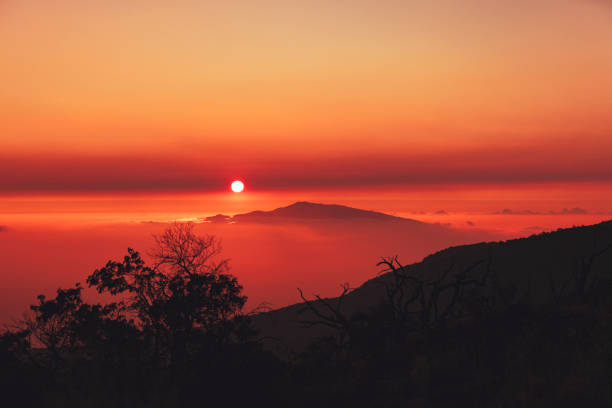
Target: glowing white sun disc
point(237, 186)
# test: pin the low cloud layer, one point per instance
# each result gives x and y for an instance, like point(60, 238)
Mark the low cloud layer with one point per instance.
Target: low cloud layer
point(565, 211)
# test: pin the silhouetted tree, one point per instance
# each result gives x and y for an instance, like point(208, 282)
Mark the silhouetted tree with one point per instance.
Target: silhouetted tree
point(583, 283)
point(178, 323)
point(418, 303)
point(329, 313)
point(183, 295)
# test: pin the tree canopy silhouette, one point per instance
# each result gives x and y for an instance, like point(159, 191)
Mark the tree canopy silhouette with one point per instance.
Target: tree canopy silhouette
point(184, 290)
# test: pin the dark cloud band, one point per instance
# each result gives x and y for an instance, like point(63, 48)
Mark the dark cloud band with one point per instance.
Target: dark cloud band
point(140, 173)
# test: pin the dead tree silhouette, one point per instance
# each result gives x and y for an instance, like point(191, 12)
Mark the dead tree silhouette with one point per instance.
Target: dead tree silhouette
point(329, 315)
point(576, 287)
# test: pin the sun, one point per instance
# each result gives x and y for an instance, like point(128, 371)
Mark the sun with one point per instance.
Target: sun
point(237, 186)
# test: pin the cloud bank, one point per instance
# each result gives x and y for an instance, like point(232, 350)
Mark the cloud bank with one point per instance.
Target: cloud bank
point(211, 172)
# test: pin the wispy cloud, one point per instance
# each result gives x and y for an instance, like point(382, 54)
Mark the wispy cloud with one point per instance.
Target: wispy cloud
point(508, 211)
point(573, 211)
point(565, 211)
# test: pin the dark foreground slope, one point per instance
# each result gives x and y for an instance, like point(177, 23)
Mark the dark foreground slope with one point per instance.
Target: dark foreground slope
point(523, 323)
point(537, 270)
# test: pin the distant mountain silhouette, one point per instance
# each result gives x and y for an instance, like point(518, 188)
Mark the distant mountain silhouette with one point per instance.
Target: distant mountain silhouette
point(219, 218)
point(535, 266)
point(304, 211)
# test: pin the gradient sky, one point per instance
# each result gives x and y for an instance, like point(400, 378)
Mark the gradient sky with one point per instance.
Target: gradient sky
point(150, 96)
point(114, 112)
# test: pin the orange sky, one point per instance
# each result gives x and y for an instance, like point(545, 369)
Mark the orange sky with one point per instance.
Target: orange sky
point(192, 93)
point(398, 106)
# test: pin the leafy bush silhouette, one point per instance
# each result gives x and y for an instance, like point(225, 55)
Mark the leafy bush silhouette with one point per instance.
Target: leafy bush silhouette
point(184, 295)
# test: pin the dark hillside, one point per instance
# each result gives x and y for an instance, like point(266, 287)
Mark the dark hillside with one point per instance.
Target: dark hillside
point(539, 269)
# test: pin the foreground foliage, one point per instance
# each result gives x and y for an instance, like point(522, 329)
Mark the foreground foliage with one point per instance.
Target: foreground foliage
point(176, 336)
